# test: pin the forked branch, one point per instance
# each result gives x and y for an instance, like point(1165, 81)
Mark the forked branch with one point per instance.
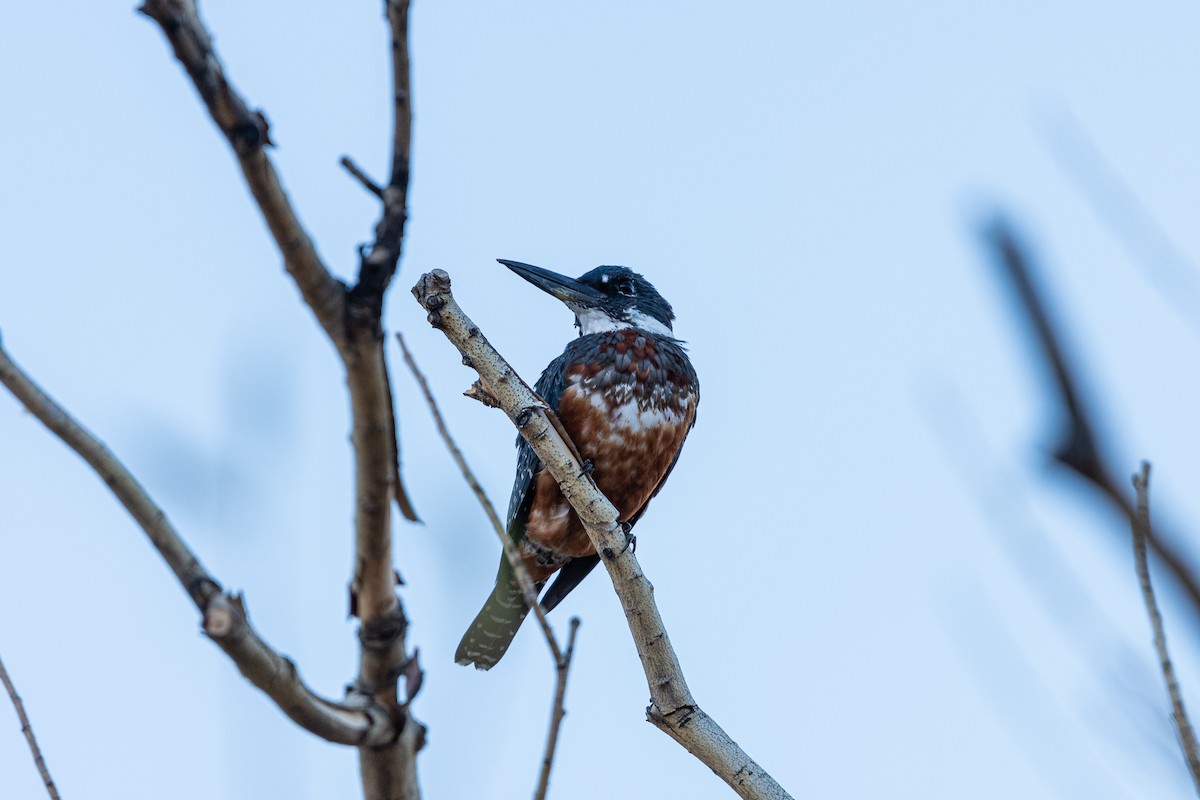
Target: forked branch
point(352, 318)
point(672, 708)
point(1079, 449)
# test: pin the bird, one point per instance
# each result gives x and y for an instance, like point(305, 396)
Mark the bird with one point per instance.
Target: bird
point(626, 393)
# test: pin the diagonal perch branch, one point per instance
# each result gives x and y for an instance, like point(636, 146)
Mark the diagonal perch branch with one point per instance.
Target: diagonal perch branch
point(672, 709)
point(1179, 716)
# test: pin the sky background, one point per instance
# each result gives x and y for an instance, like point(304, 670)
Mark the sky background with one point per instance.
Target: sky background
point(873, 580)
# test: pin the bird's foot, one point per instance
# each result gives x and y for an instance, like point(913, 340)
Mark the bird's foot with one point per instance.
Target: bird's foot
point(630, 539)
point(587, 466)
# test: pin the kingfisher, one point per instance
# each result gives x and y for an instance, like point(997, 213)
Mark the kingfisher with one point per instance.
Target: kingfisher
point(626, 394)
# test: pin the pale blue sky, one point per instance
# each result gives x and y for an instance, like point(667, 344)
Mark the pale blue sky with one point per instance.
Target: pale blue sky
point(869, 612)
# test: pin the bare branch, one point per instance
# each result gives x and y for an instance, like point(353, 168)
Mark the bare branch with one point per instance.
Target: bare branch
point(192, 575)
point(362, 177)
point(1141, 529)
point(344, 321)
point(387, 773)
point(528, 592)
point(247, 132)
point(1079, 449)
point(673, 709)
point(27, 729)
point(557, 712)
point(358, 721)
point(379, 262)
point(397, 15)
point(352, 318)
point(476, 392)
point(366, 368)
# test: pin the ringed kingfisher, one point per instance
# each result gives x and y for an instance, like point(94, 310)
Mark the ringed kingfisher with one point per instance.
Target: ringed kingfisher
point(626, 394)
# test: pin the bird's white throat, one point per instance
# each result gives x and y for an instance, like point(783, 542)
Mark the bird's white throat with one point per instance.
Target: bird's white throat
point(593, 320)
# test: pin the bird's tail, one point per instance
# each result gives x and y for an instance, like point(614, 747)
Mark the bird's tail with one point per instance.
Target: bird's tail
point(496, 623)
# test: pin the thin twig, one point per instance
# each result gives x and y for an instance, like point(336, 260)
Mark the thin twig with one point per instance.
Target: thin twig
point(357, 721)
point(557, 712)
point(562, 658)
point(673, 709)
point(528, 592)
point(1079, 449)
point(27, 729)
point(1141, 528)
point(362, 177)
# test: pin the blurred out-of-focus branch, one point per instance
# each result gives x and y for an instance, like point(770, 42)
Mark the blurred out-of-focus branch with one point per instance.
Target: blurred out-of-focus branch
point(1079, 448)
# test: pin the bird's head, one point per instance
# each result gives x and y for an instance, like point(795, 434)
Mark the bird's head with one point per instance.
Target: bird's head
point(604, 299)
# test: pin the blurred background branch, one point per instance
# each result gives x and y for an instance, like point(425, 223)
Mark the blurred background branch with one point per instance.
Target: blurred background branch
point(1151, 249)
point(1078, 448)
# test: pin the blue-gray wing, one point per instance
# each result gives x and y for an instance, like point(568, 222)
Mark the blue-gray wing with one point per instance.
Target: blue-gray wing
point(550, 388)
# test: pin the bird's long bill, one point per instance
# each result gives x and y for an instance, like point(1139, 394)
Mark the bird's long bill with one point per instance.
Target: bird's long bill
point(569, 290)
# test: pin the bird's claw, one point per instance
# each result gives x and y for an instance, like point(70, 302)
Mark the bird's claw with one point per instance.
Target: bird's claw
point(587, 466)
point(630, 539)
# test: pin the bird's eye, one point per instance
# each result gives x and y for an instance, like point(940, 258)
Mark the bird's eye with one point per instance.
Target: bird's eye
point(626, 288)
